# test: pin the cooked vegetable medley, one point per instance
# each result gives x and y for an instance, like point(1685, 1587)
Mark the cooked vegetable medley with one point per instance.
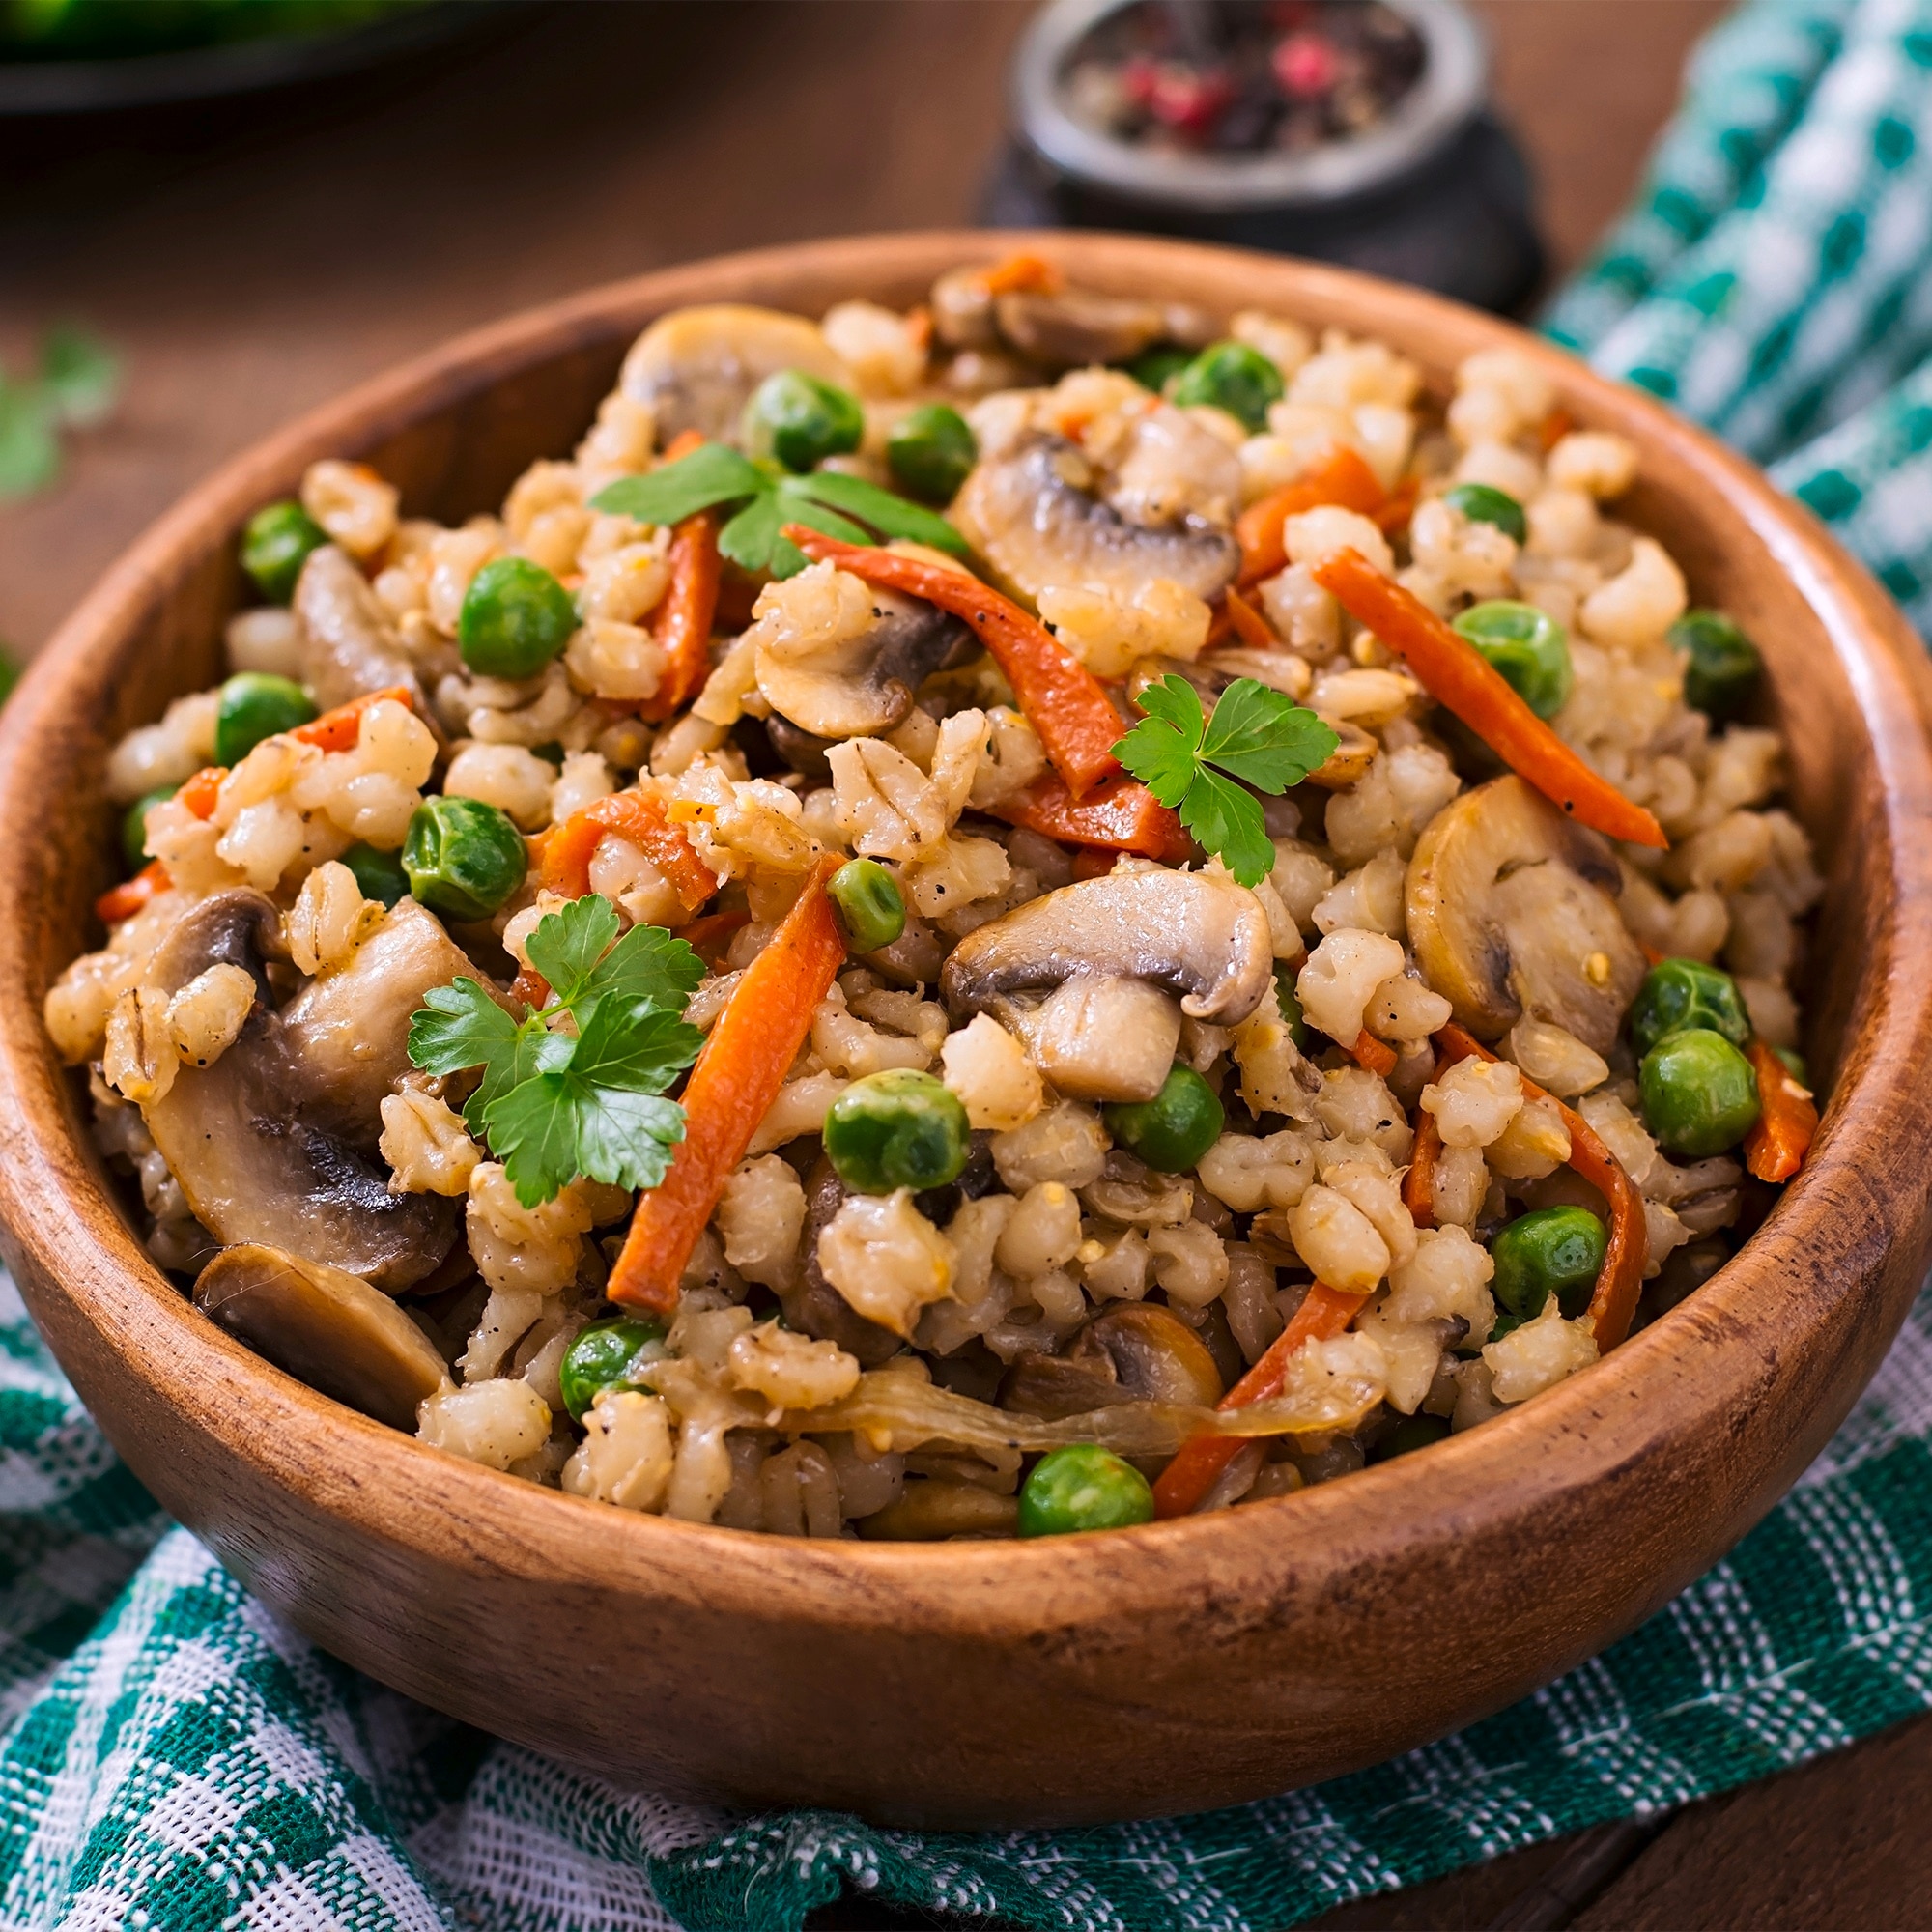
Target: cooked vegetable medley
point(923, 939)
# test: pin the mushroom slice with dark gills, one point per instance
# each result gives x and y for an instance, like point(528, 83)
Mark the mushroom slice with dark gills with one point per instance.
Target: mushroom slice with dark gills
point(348, 646)
point(1512, 910)
point(326, 1328)
point(1034, 512)
point(1060, 328)
point(1133, 1352)
point(696, 367)
point(265, 1145)
point(1096, 977)
point(838, 657)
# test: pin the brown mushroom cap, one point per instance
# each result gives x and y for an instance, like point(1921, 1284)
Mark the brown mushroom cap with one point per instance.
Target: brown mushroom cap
point(696, 367)
point(1512, 909)
point(1131, 1351)
point(1197, 934)
point(1029, 510)
point(348, 646)
point(263, 1147)
point(325, 1329)
point(864, 685)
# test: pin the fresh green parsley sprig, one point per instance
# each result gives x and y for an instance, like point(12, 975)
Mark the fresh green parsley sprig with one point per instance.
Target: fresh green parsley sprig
point(715, 476)
point(556, 1107)
point(1191, 761)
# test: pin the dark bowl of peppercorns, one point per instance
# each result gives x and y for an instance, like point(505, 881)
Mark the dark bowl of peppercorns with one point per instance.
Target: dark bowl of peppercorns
point(1354, 131)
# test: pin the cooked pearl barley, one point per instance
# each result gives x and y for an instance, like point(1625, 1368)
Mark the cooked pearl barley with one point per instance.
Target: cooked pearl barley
point(791, 1371)
point(1474, 1101)
point(1640, 602)
point(1594, 462)
point(760, 1216)
point(615, 659)
point(1318, 534)
point(351, 504)
point(1539, 1354)
point(1043, 1232)
point(268, 639)
point(1109, 632)
point(1405, 1009)
point(536, 1249)
point(1376, 1193)
point(585, 778)
point(207, 1014)
point(506, 776)
point(1189, 1262)
point(1341, 978)
point(625, 1456)
point(1065, 1143)
point(1338, 1241)
point(1448, 1275)
point(1536, 1142)
point(877, 344)
point(988, 1069)
point(426, 1145)
point(140, 1061)
point(886, 1259)
point(1284, 342)
point(152, 755)
point(1459, 1185)
point(495, 1423)
point(1250, 1174)
point(329, 919)
point(1554, 1058)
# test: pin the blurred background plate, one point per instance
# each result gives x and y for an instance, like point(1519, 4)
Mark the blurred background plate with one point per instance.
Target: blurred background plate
point(34, 85)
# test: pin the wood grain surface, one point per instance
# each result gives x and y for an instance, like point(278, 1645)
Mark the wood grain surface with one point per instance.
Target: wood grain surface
point(1176, 1666)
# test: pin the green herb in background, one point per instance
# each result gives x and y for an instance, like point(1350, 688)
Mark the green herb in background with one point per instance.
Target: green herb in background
point(77, 386)
point(1256, 735)
point(554, 1106)
point(716, 476)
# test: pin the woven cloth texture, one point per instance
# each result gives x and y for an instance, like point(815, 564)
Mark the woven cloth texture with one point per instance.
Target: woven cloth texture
point(175, 1758)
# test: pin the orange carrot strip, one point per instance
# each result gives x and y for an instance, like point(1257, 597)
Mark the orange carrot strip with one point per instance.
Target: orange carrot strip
point(1459, 677)
point(338, 730)
point(1064, 701)
point(1620, 1281)
point(1092, 861)
point(1248, 624)
point(1392, 515)
point(199, 794)
point(1342, 479)
point(1775, 1148)
point(709, 936)
point(1021, 272)
point(1553, 428)
point(1376, 1054)
point(731, 1089)
point(532, 987)
point(1184, 1482)
point(1418, 1184)
point(1119, 813)
point(690, 607)
point(639, 819)
point(130, 896)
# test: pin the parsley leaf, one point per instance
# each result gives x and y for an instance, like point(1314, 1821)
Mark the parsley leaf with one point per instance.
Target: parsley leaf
point(1190, 761)
point(556, 1105)
point(716, 476)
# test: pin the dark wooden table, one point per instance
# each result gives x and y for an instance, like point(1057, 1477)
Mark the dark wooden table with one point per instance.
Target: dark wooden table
point(250, 263)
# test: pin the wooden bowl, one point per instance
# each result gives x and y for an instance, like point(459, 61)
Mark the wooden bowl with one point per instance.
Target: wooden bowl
point(1163, 1669)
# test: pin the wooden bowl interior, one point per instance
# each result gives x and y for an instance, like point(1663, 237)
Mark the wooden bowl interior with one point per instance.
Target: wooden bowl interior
point(1156, 1671)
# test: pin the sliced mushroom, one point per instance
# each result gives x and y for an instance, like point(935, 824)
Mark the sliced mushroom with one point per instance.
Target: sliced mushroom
point(1133, 1351)
point(817, 1308)
point(1097, 1037)
point(1064, 328)
point(261, 1147)
point(325, 1329)
point(1031, 510)
point(1197, 934)
point(349, 648)
point(1512, 909)
point(862, 685)
point(696, 367)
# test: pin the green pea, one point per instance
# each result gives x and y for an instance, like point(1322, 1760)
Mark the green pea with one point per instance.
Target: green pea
point(1232, 376)
point(463, 858)
point(1528, 646)
point(380, 874)
point(601, 1357)
point(253, 705)
point(801, 421)
point(1699, 1093)
point(1157, 367)
point(1083, 1487)
point(1483, 503)
point(897, 1129)
point(1173, 1130)
point(516, 616)
point(1677, 994)
point(932, 451)
point(135, 825)
point(276, 545)
point(1721, 664)
point(1549, 1251)
point(870, 903)
point(1289, 1001)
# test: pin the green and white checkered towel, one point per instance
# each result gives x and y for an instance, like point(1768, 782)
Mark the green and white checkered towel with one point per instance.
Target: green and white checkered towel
point(175, 1758)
